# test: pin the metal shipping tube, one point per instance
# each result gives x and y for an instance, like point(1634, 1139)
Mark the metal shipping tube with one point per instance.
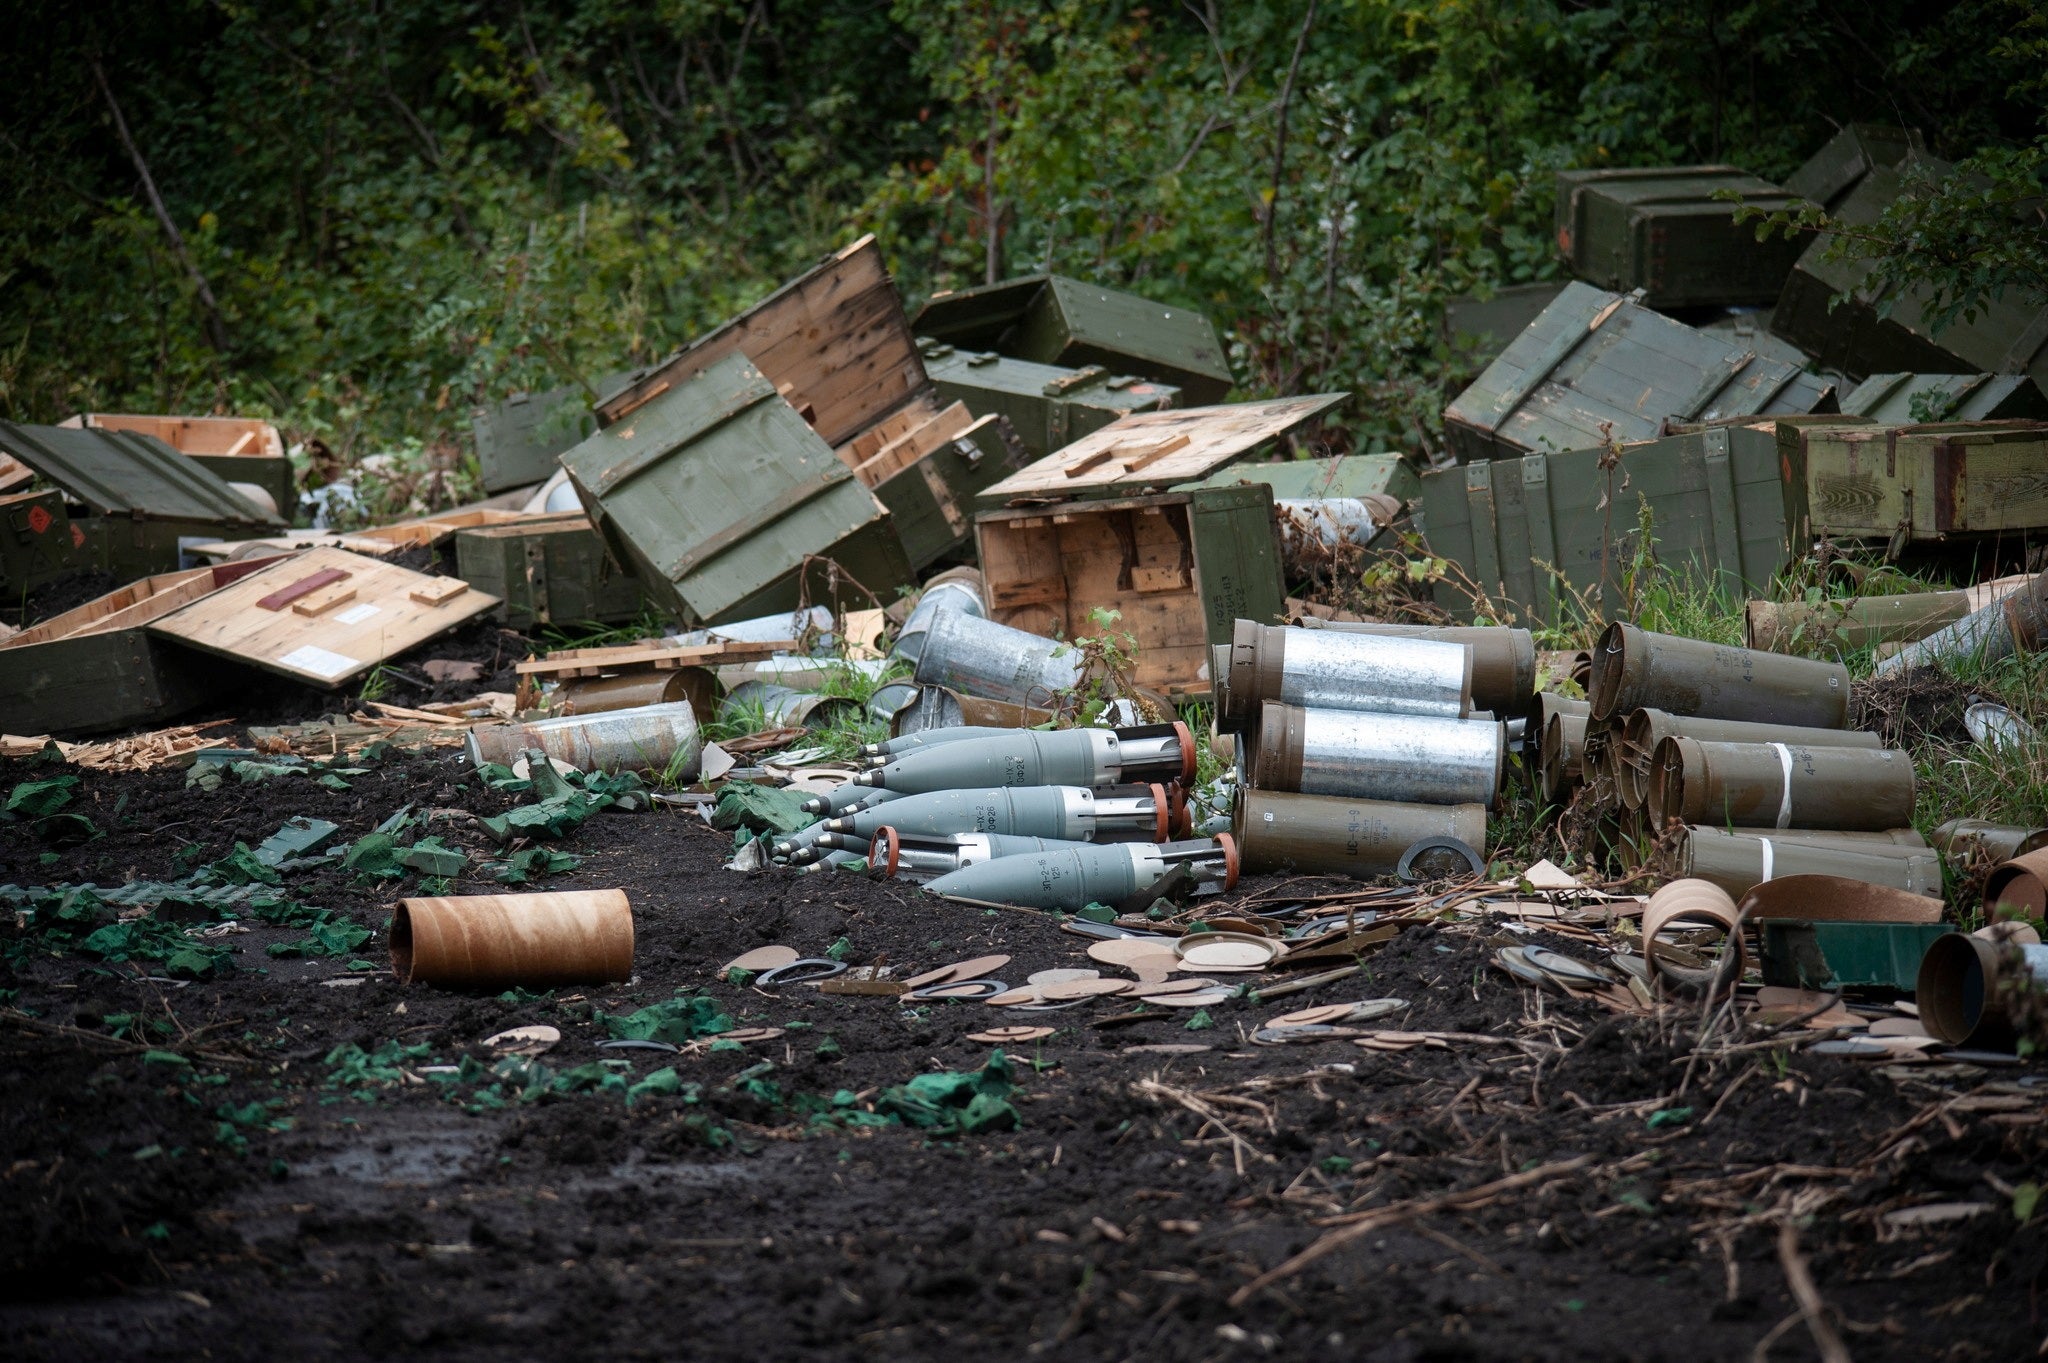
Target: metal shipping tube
point(1779, 785)
point(1322, 670)
point(956, 589)
point(1503, 658)
point(1972, 839)
point(1129, 813)
point(1801, 626)
point(1738, 864)
point(781, 707)
point(1076, 877)
point(649, 738)
point(925, 856)
point(2013, 624)
point(984, 658)
point(1419, 759)
point(1643, 730)
point(1636, 670)
point(1559, 763)
point(1328, 835)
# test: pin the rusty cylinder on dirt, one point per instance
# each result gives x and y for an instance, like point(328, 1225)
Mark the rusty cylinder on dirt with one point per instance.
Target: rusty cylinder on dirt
point(2012, 624)
point(1409, 759)
point(1560, 761)
point(1129, 813)
point(1328, 835)
point(630, 691)
point(1503, 657)
point(1324, 670)
point(1966, 986)
point(1637, 670)
point(926, 856)
point(2021, 883)
point(1979, 839)
point(983, 658)
point(1641, 732)
point(1076, 877)
point(1738, 862)
point(499, 941)
point(662, 738)
point(1779, 785)
point(1061, 757)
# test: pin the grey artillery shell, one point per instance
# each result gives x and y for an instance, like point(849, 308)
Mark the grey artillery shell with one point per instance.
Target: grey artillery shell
point(925, 856)
point(1079, 876)
point(1740, 863)
point(2016, 623)
point(1325, 835)
point(1069, 813)
point(983, 658)
point(1560, 762)
point(1324, 670)
point(931, 738)
point(1422, 759)
point(1642, 731)
point(1803, 627)
point(1975, 839)
point(651, 738)
point(1026, 757)
point(1503, 658)
point(1779, 785)
point(1636, 670)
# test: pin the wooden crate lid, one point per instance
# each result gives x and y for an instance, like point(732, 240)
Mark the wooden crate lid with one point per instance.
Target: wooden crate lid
point(1160, 449)
point(834, 341)
point(119, 473)
point(325, 616)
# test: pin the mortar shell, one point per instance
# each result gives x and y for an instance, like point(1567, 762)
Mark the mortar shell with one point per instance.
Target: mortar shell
point(936, 710)
point(895, 855)
point(1326, 835)
point(1076, 877)
point(1635, 670)
point(1408, 759)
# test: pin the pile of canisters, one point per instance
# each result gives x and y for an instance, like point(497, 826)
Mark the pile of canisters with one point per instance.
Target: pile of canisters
point(1028, 818)
point(1736, 767)
point(1356, 742)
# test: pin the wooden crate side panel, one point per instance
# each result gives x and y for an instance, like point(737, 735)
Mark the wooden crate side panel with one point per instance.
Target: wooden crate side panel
point(93, 682)
point(193, 435)
point(1448, 529)
point(1856, 485)
point(1237, 559)
point(1989, 482)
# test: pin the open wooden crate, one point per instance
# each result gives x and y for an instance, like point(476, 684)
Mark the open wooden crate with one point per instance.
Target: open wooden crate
point(239, 449)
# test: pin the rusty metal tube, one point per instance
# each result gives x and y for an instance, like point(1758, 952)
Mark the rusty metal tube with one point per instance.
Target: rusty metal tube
point(1779, 785)
point(1325, 835)
point(1503, 658)
point(983, 658)
point(1409, 759)
point(1636, 670)
point(496, 941)
point(1739, 863)
point(598, 695)
point(1642, 731)
point(1804, 626)
point(1973, 839)
point(650, 738)
point(1325, 670)
point(1965, 984)
point(2020, 883)
point(1560, 761)
point(2013, 624)
point(782, 708)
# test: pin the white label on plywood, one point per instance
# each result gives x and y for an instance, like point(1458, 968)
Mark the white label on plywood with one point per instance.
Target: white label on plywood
point(355, 615)
point(319, 661)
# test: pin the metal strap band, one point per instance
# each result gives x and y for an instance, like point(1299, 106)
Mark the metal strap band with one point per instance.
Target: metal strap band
point(1785, 800)
point(1770, 856)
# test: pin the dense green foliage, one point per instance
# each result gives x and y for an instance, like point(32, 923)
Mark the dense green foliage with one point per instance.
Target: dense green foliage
point(376, 212)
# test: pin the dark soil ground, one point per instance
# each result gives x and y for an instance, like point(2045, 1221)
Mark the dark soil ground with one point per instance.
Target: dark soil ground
point(1123, 1219)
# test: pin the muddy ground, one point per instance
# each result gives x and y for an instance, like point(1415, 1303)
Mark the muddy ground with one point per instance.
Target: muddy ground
point(189, 1171)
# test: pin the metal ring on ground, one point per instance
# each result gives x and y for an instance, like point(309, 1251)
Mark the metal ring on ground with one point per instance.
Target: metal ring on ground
point(628, 1044)
point(812, 968)
point(945, 989)
point(1438, 859)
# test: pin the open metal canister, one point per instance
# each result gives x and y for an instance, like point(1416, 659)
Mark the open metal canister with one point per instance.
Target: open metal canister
point(1420, 759)
point(1975, 839)
point(1560, 760)
point(1965, 984)
point(2014, 624)
point(1635, 670)
point(956, 589)
point(649, 738)
point(966, 653)
point(1779, 785)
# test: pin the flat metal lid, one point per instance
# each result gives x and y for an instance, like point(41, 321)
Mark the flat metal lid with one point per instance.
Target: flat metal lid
point(120, 473)
point(1161, 449)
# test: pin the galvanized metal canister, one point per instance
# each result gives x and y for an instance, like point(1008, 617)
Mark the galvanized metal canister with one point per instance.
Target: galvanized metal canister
point(982, 658)
point(651, 738)
point(936, 708)
point(2018, 623)
point(779, 707)
point(1503, 658)
point(1975, 839)
point(1314, 529)
point(1636, 670)
point(762, 629)
point(956, 589)
point(1779, 785)
point(1643, 730)
point(1423, 759)
point(1323, 670)
point(1560, 760)
point(1326, 835)
point(1738, 863)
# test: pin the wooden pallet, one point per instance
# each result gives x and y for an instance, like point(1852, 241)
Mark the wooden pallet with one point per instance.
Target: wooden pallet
point(592, 662)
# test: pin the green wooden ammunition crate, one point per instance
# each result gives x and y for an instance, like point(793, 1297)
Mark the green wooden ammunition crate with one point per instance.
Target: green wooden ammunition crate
point(1831, 174)
point(139, 496)
point(274, 474)
point(1922, 484)
point(1049, 406)
point(1351, 475)
point(1051, 319)
point(727, 504)
point(1723, 510)
point(1597, 366)
point(549, 570)
point(931, 502)
point(1663, 231)
point(38, 543)
point(1908, 398)
point(519, 440)
point(1802, 955)
point(237, 449)
point(1179, 567)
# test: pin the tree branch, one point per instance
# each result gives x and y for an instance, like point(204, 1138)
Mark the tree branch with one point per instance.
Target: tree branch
point(1280, 143)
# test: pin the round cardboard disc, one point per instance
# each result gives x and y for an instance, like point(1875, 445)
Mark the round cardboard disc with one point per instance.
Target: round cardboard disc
point(761, 958)
point(748, 1035)
point(1897, 1027)
point(1149, 973)
point(524, 1040)
point(1312, 1017)
point(965, 989)
point(1014, 998)
point(1062, 976)
point(978, 968)
point(999, 1036)
point(1124, 950)
point(1185, 985)
point(1081, 989)
point(1230, 954)
point(1199, 999)
point(1168, 1048)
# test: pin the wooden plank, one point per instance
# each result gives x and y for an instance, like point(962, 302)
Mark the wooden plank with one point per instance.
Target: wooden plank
point(653, 657)
point(241, 436)
point(914, 444)
point(439, 592)
point(305, 586)
point(1209, 437)
point(325, 600)
point(329, 649)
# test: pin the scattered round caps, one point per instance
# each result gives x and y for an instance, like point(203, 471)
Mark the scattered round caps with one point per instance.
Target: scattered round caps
point(1082, 989)
point(761, 958)
point(1062, 976)
point(999, 1036)
point(981, 967)
point(524, 1040)
point(1125, 950)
